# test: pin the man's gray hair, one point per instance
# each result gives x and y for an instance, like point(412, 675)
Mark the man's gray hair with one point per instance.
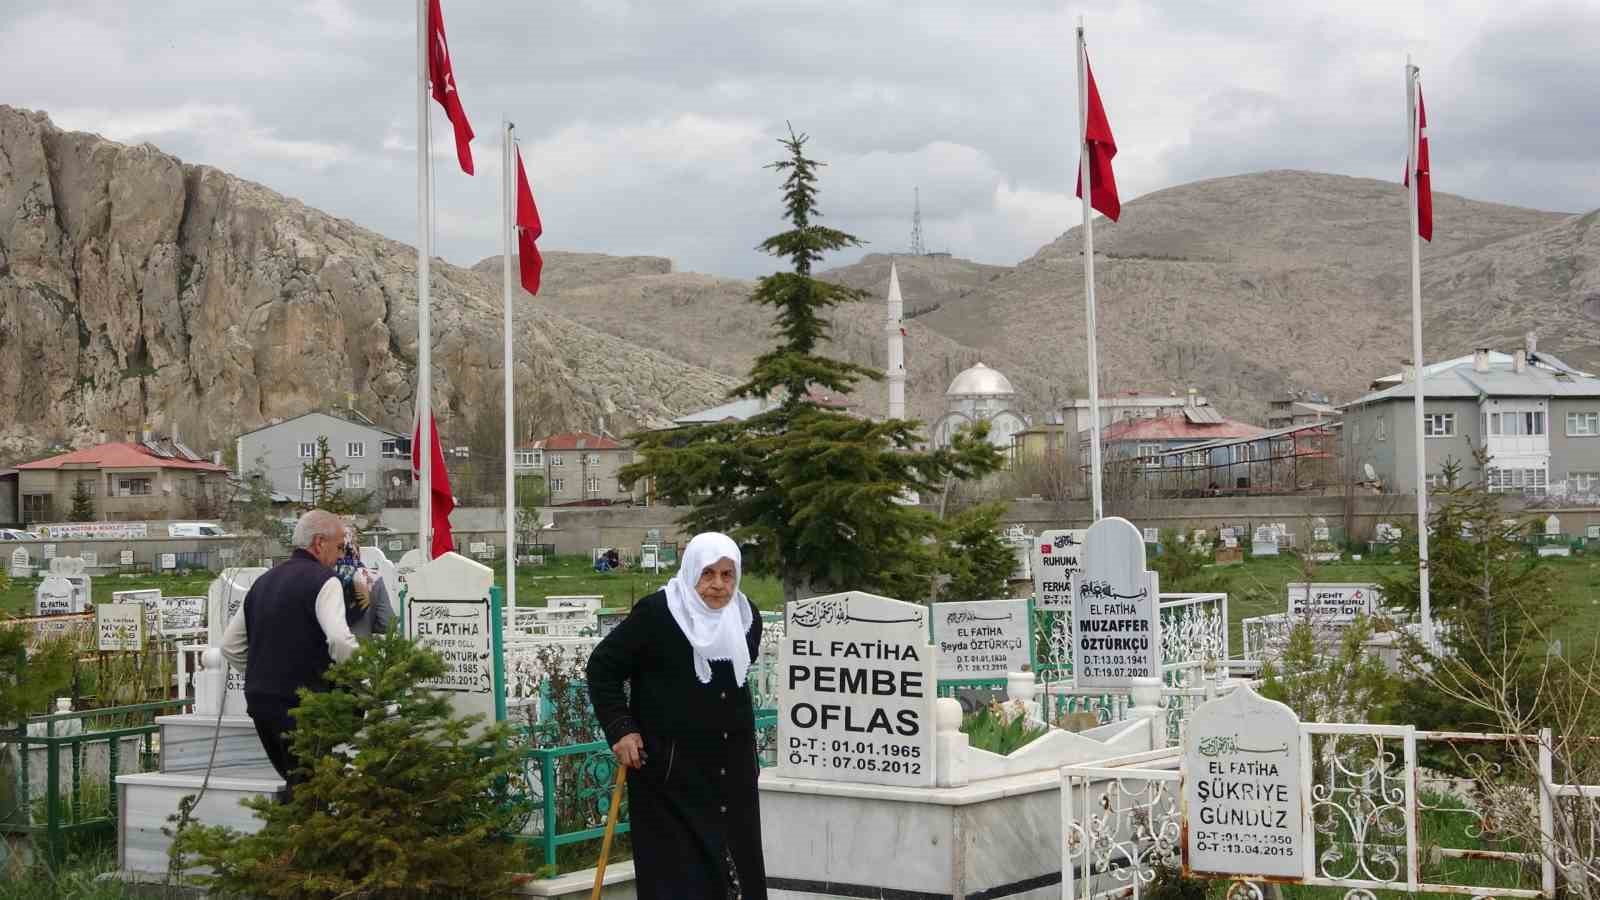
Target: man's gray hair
point(313, 523)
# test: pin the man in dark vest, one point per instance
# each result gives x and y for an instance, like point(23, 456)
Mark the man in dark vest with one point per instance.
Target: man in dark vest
point(290, 629)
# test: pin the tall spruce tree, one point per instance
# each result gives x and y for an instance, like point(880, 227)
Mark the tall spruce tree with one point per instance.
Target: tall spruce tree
point(818, 492)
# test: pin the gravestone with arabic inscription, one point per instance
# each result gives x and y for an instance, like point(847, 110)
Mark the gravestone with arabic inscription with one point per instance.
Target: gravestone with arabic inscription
point(1057, 555)
point(53, 597)
point(1243, 807)
point(1115, 610)
point(449, 609)
point(856, 691)
point(981, 640)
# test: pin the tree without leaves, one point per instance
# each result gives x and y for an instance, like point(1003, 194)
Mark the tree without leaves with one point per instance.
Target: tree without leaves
point(818, 492)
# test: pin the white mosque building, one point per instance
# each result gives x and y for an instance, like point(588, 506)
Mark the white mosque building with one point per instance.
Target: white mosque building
point(979, 394)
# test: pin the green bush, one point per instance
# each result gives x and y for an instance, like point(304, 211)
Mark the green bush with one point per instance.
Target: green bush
point(402, 799)
point(987, 729)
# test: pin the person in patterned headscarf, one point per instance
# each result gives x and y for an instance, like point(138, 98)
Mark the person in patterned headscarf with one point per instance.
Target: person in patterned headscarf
point(686, 729)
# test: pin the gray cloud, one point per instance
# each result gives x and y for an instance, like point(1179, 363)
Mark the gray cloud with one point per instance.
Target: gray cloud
point(645, 125)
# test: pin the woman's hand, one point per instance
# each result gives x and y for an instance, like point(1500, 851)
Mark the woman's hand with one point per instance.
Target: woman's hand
point(630, 750)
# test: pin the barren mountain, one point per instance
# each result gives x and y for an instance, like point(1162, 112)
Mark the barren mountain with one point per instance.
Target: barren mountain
point(135, 289)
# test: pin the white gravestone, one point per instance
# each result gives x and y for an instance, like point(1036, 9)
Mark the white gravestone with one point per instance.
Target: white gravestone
point(856, 691)
point(1057, 554)
point(224, 597)
point(67, 565)
point(1152, 535)
point(119, 626)
point(169, 561)
point(395, 545)
point(1385, 533)
point(53, 597)
point(1241, 789)
point(48, 552)
point(409, 562)
point(21, 563)
point(149, 599)
point(1320, 531)
point(1552, 526)
point(90, 558)
point(448, 609)
point(180, 615)
point(1332, 602)
point(1264, 542)
point(980, 640)
point(125, 558)
point(1115, 610)
point(574, 601)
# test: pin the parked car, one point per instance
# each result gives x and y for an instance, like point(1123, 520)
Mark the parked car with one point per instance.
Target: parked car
point(13, 534)
point(195, 529)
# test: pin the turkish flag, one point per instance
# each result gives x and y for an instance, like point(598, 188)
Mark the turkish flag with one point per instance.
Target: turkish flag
point(443, 79)
point(1101, 148)
point(439, 489)
point(528, 230)
point(1424, 178)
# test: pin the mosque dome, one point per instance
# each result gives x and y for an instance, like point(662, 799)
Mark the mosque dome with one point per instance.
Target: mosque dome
point(980, 380)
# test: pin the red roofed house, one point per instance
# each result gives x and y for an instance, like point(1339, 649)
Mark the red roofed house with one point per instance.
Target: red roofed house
point(126, 480)
point(579, 468)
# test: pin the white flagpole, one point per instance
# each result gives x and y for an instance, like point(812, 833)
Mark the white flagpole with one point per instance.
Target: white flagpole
point(1413, 139)
point(1088, 272)
point(507, 220)
point(424, 327)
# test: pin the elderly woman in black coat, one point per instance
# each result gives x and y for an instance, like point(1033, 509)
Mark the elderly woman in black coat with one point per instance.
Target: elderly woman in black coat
point(686, 727)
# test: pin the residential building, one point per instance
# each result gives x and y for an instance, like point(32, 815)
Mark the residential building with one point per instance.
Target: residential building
point(579, 468)
point(1076, 419)
point(746, 407)
point(378, 460)
point(153, 478)
point(1537, 419)
point(1300, 408)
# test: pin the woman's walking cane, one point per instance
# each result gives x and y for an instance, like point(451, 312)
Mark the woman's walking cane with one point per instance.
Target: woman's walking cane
point(611, 830)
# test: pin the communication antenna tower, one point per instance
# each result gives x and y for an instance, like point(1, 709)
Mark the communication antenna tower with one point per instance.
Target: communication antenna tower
point(917, 249)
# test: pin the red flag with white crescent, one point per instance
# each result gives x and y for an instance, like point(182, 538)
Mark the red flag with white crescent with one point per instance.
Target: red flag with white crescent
point(1424, 177)
point(443, 79)
point(1101, 147)
point(529, 228)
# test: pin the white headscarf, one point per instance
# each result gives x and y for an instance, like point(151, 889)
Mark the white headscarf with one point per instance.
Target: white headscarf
point(713, 633)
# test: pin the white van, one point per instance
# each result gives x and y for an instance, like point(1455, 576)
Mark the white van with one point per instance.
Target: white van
point(195, 529)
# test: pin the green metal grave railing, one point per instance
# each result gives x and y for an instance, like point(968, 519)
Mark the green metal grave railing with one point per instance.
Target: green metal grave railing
point(88, 761)
point(570, 787)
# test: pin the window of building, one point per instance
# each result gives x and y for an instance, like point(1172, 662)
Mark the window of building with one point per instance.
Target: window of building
point(1583, 424)
point(356, 481)
point(592, 485)
point(308, 449)
point(90, 486)
point(355, 449)
point(555, 459)
point(525, 458)
point(1380, 430)
point(306, 482)
point(557, 485)
point(391, 448)
point(133, 487)
point(38, 507)
point(1516, 424)
point(1438, 425)
point(1532, 482)
point(1150, 455)
point(1437, 481)
point(1355, 432)
point(1583, 482)
point(593, 459)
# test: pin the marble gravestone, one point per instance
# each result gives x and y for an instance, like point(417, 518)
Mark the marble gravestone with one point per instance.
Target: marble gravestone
point(53, 597)
point(176, 616)
point(1320, 530)
point(1243, 809)
point(856, 691)
point(223, 598)
point(1057, 555)
point(409, 562)
point(449, 608)
point(1264, 542)
point(1115, 610)
point(149, 600)
point(119, 626)
point(981, 640)
point(21, 563)
point(1332, 602)
point(48, 552)
point(574, 601)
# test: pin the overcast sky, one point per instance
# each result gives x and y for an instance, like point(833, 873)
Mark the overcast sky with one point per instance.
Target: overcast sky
point(645, 124)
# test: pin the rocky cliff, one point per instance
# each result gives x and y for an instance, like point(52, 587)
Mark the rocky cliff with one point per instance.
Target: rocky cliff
point(135, 289)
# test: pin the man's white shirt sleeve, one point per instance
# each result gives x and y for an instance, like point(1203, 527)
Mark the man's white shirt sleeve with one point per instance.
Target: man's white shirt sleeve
point(330, 615)
point(235, 643)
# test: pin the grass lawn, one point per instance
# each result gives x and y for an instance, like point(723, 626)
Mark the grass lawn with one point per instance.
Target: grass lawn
point(17, 598)
point(576, 575)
